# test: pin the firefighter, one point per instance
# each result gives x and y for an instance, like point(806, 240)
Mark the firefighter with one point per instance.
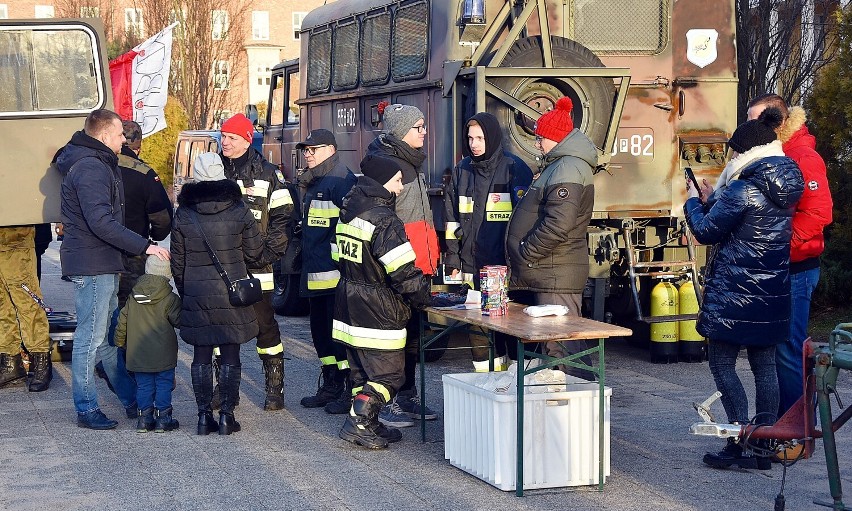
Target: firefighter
point(267, 195)
point(379, 284)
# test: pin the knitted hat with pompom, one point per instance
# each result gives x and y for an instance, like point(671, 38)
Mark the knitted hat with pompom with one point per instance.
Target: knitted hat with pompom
point(557, 123)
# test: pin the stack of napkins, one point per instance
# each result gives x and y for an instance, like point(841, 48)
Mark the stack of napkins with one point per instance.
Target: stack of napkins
point(537, 311)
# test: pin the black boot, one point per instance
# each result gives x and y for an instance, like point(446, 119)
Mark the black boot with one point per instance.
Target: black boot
point(215, 399)
point(343, 403)
point(202, 385)
point(328, 391)
point(229, 386)
point(731, 455)
point(362, 422)
point(145, 422)
point(390, 434)
point(11, 369)
point(273, 370)
point(165, 422)
point(42, 370)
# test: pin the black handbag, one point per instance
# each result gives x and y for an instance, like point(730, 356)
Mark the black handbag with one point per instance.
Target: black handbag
point(241, 293)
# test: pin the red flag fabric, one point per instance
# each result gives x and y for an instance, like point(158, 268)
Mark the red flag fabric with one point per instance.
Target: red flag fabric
point(121, 73)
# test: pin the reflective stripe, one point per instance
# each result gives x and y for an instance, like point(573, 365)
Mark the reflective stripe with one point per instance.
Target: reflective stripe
point(397, 257)
point(357, 228)
point(323, 209)
point(274, 350)
point(356, 390)
point(499, 202)
point(260, 188)
point(363, 337)
point(343, 364)
point(217, 352)
point(267, 281)
point(280, 198)
point(327, 361)
point(450, 232)
point(465, 204)
point(334, 255)
point(323, 279)
point(381, 389)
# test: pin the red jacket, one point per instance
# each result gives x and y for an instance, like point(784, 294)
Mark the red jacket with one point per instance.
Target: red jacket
point(813, 211)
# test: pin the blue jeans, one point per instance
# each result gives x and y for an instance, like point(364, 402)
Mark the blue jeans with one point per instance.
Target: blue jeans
point(95, 300)
point(155, 389)
point(761, 359)
point(788, 355)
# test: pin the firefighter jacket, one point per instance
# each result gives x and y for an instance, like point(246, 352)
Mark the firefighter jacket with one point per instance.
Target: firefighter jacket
point(207, 317)
point(546, 247)
point(378, 279)
point(323, 189)
point(93, 210)
point(412, 205)
point(747, 288)
point(147, 208)
point(478, 202)
point(270, 199)
point(146, 326)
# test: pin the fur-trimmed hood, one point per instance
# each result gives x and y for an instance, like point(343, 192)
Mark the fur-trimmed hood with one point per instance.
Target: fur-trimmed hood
point(796, 118)
point(210, 197)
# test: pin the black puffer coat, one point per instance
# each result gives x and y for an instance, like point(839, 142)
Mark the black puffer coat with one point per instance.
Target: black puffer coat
point(207, 318)
point(378, 279)
point(747, 290)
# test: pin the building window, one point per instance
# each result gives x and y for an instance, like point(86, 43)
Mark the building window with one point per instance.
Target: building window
point(90, 12)
point(43, 11)
point(297, 23)
point(264, 74)
point(220, 25)
point(4, 11)
point(221, 75)
point(133, 23)
point(260, 25)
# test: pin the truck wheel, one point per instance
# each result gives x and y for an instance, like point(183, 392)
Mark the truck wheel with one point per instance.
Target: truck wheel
point(286, 300)
point(592, 97)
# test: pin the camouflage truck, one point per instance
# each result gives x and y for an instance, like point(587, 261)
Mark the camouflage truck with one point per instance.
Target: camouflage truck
point(653, 83)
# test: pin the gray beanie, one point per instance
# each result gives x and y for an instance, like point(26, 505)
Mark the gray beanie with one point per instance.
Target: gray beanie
point(156, 266)
point(398, 119)
point(208, 167)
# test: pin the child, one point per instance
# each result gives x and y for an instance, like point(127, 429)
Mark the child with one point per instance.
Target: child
point(379, 284)
point(146, 327)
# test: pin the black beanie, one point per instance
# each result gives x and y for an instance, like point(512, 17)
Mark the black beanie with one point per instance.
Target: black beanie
point(379, 168)
point(757, 132)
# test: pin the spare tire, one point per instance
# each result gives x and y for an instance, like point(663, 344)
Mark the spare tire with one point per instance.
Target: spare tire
point(285, 298)
point(592, 96)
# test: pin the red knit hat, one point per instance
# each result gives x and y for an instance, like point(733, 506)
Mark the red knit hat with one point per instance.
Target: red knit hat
point(239, 125)
point(557, 123)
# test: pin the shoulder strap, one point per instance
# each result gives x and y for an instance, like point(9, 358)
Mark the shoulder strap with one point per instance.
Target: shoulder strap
point(216, 263)
point(134, 164)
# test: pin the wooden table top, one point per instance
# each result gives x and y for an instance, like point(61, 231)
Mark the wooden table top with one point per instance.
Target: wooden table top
point(530, 329)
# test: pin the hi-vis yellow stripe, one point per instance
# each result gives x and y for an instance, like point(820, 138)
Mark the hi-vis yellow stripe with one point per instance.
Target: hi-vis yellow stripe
point(323, 209)
point(371, 338)
point(381, 389)
point(357, 228)
point(323, 279)
point(274, 350)
point(267, 282)
point(259, 189)
point(450, 232)
point(498, 202)
point(397, 257)
point(280, 197)
point(465, 204)
point(335, 256)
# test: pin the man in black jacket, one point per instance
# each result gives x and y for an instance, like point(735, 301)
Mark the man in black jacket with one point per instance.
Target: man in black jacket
point(95, 237)
point(268, 197)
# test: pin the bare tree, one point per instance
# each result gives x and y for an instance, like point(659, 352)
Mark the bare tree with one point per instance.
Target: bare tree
point(118, 39)
point(781, 44)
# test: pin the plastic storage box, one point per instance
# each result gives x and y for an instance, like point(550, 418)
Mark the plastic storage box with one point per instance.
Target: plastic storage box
point(560, 433)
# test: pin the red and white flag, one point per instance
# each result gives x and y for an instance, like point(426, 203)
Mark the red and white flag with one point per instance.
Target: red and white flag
point(140, 81)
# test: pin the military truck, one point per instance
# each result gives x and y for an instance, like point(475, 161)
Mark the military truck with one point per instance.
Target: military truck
point(653, 83)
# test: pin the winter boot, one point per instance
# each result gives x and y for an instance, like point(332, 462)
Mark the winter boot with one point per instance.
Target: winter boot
point(202, 385)
point(229, 386)
point(731, 455)
point(390, 434)
point(11, 369)
point(165, 421)
point(42, 370)
point(145, 422)
point(329, 391)
point(216, 400)
point(343, 403)
point(362, 422)
point(273, 369)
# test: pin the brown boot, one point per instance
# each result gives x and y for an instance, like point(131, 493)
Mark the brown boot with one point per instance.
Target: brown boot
point(11, 369)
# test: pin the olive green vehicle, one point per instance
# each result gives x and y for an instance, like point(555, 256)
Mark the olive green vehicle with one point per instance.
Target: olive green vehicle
point(653, 83)
point(52, 73)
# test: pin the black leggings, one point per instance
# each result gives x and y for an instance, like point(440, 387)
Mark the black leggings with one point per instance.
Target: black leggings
point(230, 354)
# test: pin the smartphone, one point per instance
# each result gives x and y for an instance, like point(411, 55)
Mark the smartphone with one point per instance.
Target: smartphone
point(691, 176)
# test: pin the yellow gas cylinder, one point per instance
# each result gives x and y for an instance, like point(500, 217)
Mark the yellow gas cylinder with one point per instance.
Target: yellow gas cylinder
point(664, 302)
point(692, 347)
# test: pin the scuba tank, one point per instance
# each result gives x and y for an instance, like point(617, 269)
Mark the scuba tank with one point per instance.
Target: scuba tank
point(692, 347)
point(664, 336)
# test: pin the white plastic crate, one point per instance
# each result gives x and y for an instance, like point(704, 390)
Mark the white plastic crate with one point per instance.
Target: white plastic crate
point(560, 433)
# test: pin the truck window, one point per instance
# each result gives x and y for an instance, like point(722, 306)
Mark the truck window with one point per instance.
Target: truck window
point(375, 59)
point(277, 105)
point(293, 86)
point(319, 59)
point(346, 59)
point(55, 69)
point(410, 37)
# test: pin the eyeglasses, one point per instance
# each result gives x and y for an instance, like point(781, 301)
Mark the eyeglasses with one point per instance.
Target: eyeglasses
point(420, 129)
point(313, 149)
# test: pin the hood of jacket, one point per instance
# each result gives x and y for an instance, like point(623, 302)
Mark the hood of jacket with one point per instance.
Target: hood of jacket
point(83, 146)
point(151, 289)
point(575, 144)
point(209, 197)
point(493, 137)
point(366, 194)
point(779, 182)
point(794, 134)
point(388, 145)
